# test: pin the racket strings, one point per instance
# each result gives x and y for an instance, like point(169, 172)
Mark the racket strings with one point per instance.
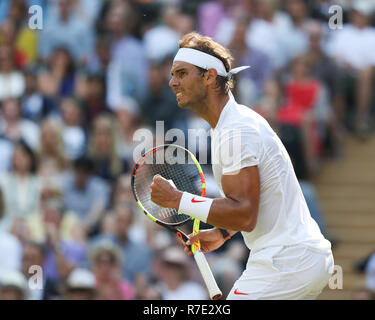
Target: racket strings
point(171, 163)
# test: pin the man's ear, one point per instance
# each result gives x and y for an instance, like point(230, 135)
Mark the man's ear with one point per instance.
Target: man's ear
point(210, 76)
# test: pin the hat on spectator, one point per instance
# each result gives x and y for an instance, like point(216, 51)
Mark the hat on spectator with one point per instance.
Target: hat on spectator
point(128, 103)
point(15, 279)
point(81, 279)
point(160, 42)
point(365, 7)
point(106, 245)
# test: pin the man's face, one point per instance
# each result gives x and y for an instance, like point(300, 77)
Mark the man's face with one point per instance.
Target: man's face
point(187, 84)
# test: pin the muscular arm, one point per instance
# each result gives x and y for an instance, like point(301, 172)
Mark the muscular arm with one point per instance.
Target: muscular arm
point(239, 209)
point(236, 212)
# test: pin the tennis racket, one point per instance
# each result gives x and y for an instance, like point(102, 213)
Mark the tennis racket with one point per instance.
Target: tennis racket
point(182, 169)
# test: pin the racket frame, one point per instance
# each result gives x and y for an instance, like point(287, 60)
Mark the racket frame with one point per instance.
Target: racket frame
point(201, 261)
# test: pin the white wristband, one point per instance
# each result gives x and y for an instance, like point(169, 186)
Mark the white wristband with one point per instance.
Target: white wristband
point(195, 206)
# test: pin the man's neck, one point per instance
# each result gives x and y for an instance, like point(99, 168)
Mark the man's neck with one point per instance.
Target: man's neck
point(214, 104)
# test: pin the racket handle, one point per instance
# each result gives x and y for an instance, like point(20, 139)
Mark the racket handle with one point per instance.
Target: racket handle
point(213, 290)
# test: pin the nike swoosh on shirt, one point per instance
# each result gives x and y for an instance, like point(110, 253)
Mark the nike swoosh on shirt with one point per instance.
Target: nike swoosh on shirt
point(240, 293)
point(195, 201)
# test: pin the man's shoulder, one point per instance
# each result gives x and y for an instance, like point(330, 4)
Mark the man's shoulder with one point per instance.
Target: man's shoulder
point(241, 117)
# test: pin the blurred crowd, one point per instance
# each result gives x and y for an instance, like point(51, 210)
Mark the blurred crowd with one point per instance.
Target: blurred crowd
point(73, 94)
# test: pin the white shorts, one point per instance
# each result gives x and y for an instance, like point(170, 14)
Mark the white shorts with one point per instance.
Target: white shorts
point(284, 273)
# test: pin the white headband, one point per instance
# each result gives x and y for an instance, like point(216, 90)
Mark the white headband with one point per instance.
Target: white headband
point(205, 61)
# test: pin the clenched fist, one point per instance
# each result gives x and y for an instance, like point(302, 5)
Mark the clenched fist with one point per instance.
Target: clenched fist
point(164, 193)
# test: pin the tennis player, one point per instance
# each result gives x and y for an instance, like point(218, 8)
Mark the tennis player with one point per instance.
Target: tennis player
point(289, 257)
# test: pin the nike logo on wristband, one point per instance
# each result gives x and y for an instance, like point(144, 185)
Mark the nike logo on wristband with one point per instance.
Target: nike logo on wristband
point(240, 293)
point(195, 201)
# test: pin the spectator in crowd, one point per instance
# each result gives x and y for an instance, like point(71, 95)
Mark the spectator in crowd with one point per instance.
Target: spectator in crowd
point(8, 33)
point(327, 71)
point(137, 255)
point(352, 47)
point(161, 41)
point(13, 286)
point(280, 35)
point(107, 227)
point(12, 82)
point(250, 82)
point(107, 260)
point(294, 36)
point(306, 107)
point(266, 32)
point(86, 194)
point(94, 102)
point(43, 288)
point(102, 149)
point(20, 186)
point(270, 101)
point(80, 285)
point(52, 161)
point(10, 246)
point(51, 200)
point(173, 276)
point(127, 71)
point(20, 36)
point(14, 127)
point(123, 196)
point(62, 253)
point(122, 192)
point(128, 121)
point(60, 77)
point(73, 134)
point(211, 13)
point(35, 105)
point(65, 28)
point(99, 60)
